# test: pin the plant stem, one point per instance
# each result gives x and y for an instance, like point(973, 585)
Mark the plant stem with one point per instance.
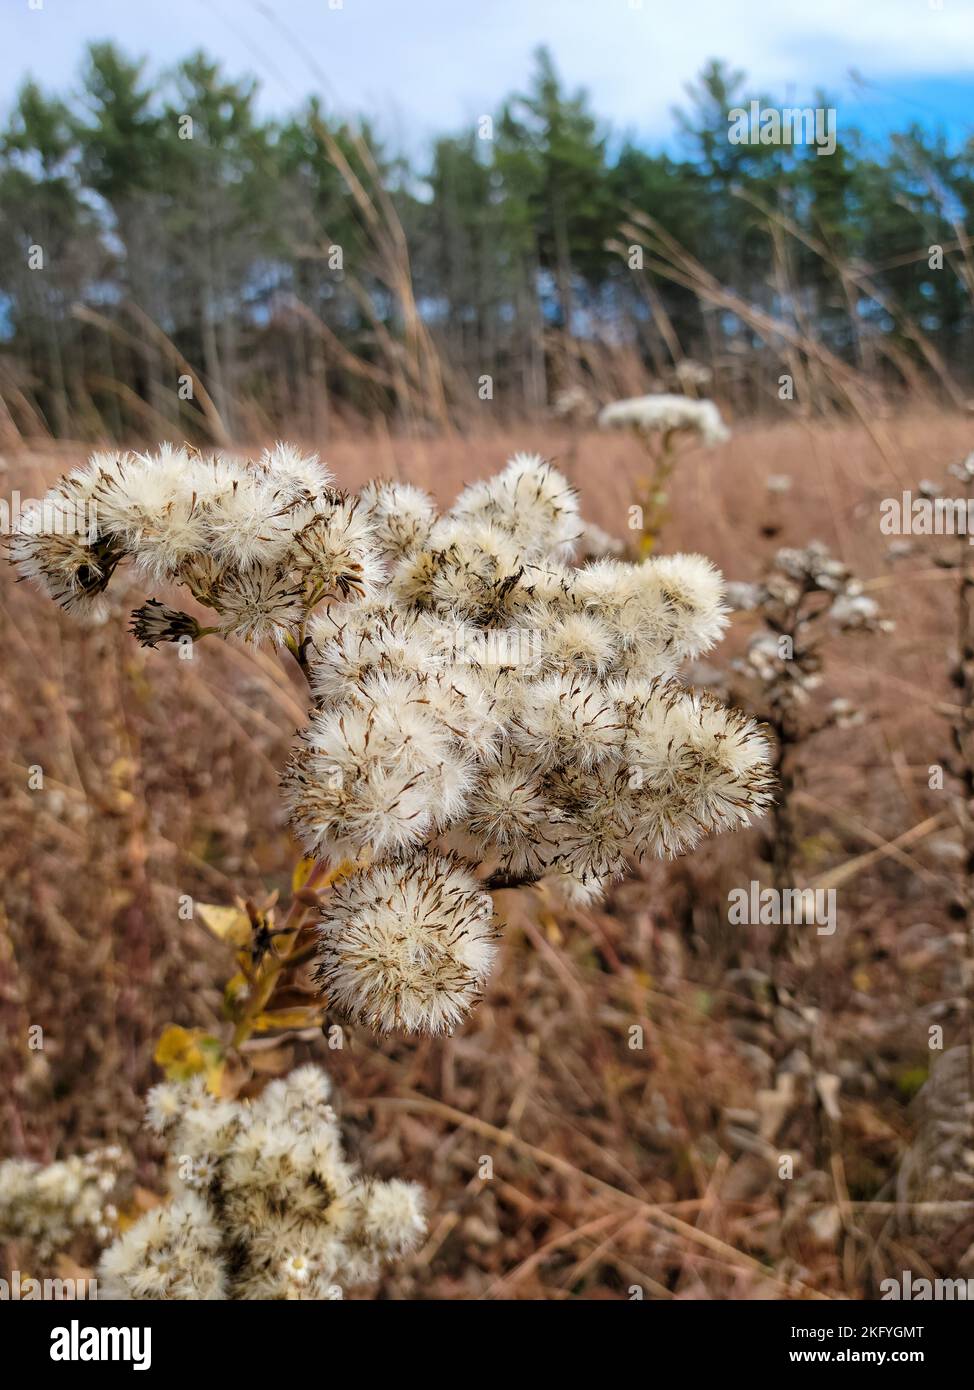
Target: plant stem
point(275, 963)
point(963, 736)
point(298, 647)
point(656, 496)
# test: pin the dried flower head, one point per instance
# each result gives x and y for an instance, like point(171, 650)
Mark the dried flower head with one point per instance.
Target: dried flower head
point(261, 541)
point(801, 589)
point(665, 414)
point(517, 711)
point(49, 1205)
point(264, 1204)
point(575, 405)
point(963, 470)
point(488, 712)
point(401, 517)
point(408, 944)
point(156, 622)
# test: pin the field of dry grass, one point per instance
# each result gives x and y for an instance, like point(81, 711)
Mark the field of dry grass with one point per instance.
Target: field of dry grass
point(613, 1166)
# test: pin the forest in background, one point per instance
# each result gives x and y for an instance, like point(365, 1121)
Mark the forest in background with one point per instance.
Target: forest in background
point(172, 264)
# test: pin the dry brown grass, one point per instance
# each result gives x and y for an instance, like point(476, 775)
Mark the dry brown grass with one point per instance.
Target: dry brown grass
point(612, 1167)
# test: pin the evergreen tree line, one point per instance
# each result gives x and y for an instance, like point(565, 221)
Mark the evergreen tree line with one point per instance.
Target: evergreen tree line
point(172, 264)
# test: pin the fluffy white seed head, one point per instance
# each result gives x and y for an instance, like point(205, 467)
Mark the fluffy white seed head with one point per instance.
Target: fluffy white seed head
point(569, 719)
point(407, 944)
point(574, 641)
point(532, 502)
point(375, 776)
point(665, 414)
point(264, 1203)
point(173, 1252)
point(351, 641)
point(508, 817)
point(263, 542)
point(691, 590)
point(47, 1206)
point(391, 1215)
point(259, 603)
point(475, 694)
point(334, 551)
point(704, 768)
point(401, 517)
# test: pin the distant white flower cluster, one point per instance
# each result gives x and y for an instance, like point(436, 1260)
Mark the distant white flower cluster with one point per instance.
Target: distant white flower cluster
point(801, 588)
point(690, 373)
point(264, 1204)
point(487, 714)
point(574, 404)
point(666, 414)
point(47, 1205)
point(963, 470)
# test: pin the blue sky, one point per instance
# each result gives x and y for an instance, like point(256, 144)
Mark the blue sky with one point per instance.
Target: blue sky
point(424, 66)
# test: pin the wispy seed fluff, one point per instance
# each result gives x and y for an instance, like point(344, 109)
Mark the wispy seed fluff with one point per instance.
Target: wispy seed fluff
point(260, 542)
point(498, 716)
point(264, 1204)
point(408, 944)
point(487, 713)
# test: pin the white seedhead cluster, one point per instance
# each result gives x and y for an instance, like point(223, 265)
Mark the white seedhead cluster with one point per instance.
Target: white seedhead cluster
point(48, 1205)
point(801, 589)
point(259, 542)
point(487, 713)
point(264, 1203)
point(667, 414)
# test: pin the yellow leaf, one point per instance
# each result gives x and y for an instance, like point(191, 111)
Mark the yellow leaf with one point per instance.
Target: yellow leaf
point(216, 1079)
point(211, 1049)
point(301, 1017)
point(551, 928)
point(185, 1052)
point(228, 924)
point(174, 1043)
point(302, 872)
point(236, 986)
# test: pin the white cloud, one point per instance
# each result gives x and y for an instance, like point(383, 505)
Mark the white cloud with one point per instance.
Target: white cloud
point(429, 64)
